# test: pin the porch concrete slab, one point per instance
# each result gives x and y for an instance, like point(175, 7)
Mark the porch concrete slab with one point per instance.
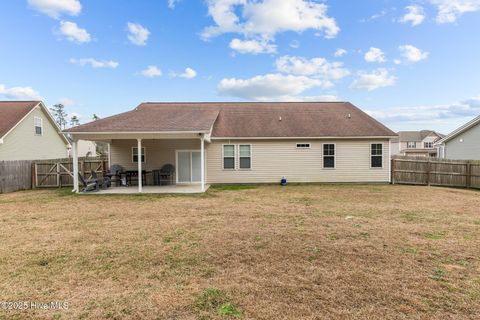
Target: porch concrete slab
point(188, 188)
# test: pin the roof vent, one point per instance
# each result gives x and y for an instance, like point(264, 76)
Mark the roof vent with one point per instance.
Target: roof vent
point(280, 118)
point(349, 116)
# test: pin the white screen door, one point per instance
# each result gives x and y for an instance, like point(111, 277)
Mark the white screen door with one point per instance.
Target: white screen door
point(189, 166)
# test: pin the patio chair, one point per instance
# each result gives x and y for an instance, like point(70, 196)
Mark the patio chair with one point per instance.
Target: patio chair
point(115, 171)
point(167, 173)
point(94, 184)
point(104, 182)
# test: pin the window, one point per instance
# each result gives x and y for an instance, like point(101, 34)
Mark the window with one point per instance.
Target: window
point(411, 145)
point(428, 145)
point(303, 145)
point(245, 156)
point(329, 156)
point(376, 155)
point(135, 154)
point(228, 156)
point(38, 126)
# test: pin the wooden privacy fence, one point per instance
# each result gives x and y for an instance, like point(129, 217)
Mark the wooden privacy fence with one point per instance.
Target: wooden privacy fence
point(432, 171)
point(58, 172)
point(15, 175)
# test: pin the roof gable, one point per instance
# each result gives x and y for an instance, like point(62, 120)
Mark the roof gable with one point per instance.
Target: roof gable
point(12, 112)
point(245, 119)
point(460, 130)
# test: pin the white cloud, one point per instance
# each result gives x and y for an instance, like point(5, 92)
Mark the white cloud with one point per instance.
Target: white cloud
point(427, 114)
point(340, 52)
point(287, 98)
point(375, 55)
point(137, 34)
point(172, 3)
point(73, 32)
point(66, 102)
point(267, 87)
point(415, 15)
point(95, 63)
point(413, 54)
point(19, 93)
point(374, 80)
point(55, 8)
point(317, 68)
point(189, 73)
point(295, 44)
point(151, 72)
point(450, 10)
point(252, 46)
point(268, 17)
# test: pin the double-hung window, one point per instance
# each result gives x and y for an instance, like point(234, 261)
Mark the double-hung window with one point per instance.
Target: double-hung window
point(245, 156)
point(411, 145)
point(228, 156)
point(329, 155)
point(376, 155)
point(428, 145)
point(135, 155)
point(38, 126)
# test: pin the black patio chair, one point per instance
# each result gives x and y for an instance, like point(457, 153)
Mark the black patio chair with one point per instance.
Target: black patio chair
point(94, 183)
point(115, 171)
point(167, 173)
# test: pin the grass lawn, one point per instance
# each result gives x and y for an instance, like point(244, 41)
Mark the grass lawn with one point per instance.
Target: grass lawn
point(267, 252)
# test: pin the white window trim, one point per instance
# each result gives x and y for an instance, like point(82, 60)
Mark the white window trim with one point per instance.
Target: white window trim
point(334, 156)
point(309, 145)
point(370, 156)
point(251, 156)
point(191, 165)
point(234, 157)
point(430, 143)
point(35, 125)
point(408, 142)
point(140, 155)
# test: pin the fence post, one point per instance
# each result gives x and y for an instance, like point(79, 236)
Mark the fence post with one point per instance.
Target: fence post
point(468, 181)
point(428, 172)
point(392, 169)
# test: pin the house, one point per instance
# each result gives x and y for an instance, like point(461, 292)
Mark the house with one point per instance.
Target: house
point(215, 143)
point(463, 143)
point(85, 149)
point(28, 132)
point(416, 143)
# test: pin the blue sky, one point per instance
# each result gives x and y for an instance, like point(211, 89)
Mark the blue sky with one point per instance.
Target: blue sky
point(411, 64)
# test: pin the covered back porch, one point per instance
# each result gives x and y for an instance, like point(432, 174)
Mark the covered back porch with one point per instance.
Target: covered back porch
point(138, 160)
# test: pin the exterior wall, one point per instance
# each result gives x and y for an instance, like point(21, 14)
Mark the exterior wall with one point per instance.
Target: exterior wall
point(23, 144)
point(469, 149)
point(87, 148)
point(273, 159)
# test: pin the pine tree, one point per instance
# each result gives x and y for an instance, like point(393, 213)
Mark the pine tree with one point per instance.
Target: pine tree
point(95, 117)
point(74, 121)
point(59, 114)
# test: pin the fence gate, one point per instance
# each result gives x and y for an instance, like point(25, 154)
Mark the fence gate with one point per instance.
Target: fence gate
point(58, 172)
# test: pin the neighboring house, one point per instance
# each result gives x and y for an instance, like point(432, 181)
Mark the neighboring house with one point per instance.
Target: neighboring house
point(247, 142)
point(85, 149)
point(416, 143)
point(28, 132)
point(463, 143)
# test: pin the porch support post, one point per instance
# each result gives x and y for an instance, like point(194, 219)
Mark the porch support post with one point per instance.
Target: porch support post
point(139, 158)
point(202, 161)
point(75, 166)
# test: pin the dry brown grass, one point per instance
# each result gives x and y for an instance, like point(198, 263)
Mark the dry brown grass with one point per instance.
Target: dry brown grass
point(300, 252)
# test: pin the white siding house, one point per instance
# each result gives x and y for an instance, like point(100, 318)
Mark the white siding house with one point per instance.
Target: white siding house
point(463, 143)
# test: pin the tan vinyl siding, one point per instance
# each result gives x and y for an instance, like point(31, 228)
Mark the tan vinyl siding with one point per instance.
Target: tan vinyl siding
point(157, 152)
point(272, 159)
point(468, 149)
point(23, 144)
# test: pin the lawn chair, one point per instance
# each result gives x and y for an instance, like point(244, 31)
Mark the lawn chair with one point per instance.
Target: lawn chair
point(115, 171)
point(94, 184)
point(166, 174)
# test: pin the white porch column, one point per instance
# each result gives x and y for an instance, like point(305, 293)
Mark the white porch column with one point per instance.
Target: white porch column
point(75, 166)
point(109, 155)
point(139, 158)
point(202, 162)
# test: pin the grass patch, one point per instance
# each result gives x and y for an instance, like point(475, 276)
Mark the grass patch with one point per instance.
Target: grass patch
point(233, 187)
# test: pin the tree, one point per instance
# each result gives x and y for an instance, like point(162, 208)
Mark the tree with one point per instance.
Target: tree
point(95, 117)
point(74, 121)
point(59, 114)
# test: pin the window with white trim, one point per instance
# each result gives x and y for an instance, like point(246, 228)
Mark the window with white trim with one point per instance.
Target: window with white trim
point(428, 145)
point(303, 145)
point(411, 145)
point(245, 156)
point(228, 156)
point(329, 155)
point(135, 154)
point(38, 126)
point(376, 155)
